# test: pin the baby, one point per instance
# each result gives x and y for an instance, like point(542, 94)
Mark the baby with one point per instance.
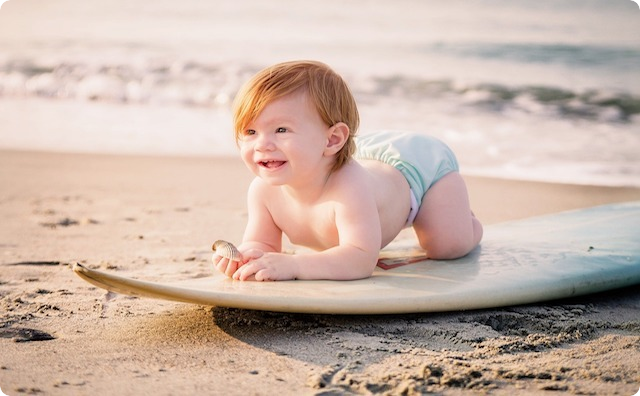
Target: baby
point(343, 197)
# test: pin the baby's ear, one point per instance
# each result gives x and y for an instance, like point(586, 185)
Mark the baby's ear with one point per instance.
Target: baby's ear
point(337, 136)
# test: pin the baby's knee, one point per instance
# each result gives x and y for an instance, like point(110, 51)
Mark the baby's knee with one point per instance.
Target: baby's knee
point(447, 250)
point(454, 246)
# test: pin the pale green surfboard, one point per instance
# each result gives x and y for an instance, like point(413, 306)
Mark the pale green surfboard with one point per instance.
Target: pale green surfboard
point(533, 260)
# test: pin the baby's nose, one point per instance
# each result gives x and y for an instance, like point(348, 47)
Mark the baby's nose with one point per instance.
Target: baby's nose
point(264, 143)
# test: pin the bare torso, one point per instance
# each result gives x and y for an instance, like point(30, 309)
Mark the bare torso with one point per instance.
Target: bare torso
point(314, 225)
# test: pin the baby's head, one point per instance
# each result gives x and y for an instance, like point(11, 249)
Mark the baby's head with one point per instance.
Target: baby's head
point(325, 88)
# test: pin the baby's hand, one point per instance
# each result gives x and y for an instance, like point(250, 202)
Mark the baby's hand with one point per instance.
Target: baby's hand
point(268, 267)
point(230, 266)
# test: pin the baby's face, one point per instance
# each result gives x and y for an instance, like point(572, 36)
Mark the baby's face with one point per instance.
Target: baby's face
point(286, 142)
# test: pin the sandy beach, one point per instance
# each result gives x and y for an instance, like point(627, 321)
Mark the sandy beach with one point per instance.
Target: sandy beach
point(155, 218)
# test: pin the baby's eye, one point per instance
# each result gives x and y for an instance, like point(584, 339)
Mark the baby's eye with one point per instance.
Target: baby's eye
point(281, 130)
point(249, 132)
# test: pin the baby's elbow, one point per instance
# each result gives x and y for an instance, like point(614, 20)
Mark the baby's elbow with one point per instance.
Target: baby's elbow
point(366, 267)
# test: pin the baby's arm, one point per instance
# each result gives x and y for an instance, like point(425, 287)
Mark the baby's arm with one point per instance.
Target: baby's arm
point(261, 234)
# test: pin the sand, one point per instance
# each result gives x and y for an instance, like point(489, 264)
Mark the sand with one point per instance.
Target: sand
point(156, 218)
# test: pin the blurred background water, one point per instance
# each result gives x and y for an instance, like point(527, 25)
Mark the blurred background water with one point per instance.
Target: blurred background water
point(529, 89)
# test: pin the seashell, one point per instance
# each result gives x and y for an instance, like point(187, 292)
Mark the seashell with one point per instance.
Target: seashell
point(227, 250)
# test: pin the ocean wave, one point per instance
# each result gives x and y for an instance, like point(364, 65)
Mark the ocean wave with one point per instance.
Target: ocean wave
point(598, 105)
point(181, 83)
point(586, 56)
point(214, 85)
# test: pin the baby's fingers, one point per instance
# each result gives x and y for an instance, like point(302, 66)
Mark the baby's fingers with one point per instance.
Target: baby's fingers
point(254, 271)
point(224, 265)
point(219, 262)
point(265, 275)
point(232, 267)
point(246, 271)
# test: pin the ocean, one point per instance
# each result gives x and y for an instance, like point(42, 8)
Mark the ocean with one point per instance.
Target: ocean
point(543, 90)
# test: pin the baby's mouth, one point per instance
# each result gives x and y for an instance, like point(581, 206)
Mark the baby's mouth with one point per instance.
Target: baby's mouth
point(271, 164)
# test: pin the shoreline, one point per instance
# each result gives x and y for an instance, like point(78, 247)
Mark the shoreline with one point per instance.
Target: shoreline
point(154, 217)
point(527, 198)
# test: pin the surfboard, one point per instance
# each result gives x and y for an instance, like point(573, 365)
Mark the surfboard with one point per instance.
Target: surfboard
point(527, 261)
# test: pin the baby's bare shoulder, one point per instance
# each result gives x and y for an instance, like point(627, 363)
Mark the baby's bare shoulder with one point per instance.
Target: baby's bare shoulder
point(259, 186)
point(261, 192)
point(352, 173)
point(347, 179)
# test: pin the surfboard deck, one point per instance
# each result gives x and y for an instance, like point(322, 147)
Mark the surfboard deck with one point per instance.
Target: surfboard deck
point(527, 261)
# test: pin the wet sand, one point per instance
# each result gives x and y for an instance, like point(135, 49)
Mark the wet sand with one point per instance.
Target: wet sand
point(155, 218)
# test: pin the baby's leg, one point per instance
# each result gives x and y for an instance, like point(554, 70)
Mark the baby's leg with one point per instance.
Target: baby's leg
point(445, 226)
